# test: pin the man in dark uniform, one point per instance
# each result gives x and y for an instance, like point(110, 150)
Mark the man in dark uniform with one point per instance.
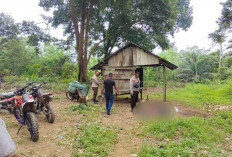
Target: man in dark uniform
point(108, 85)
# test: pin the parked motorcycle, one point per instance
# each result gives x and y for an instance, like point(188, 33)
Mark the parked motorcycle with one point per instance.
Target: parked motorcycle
point(24, 111)
point(43, 99)
point(7, 101)
point(77, 91)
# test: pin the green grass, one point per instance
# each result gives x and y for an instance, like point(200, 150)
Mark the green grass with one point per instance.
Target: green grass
point(197, 95)
point(95, 140)
point(193, 136)
point(91, 140)
point(89, 112)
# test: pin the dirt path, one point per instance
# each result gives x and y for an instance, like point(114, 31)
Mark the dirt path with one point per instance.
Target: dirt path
point(50, 144)
point(53, 144)
point(124, 120)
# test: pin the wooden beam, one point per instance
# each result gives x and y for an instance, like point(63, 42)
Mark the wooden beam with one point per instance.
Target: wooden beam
point(141, 94)
point(164, 83)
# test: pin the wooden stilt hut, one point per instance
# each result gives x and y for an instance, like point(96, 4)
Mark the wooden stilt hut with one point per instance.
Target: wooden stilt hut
point(125, 61)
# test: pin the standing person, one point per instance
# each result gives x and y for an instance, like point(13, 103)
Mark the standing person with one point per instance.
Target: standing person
point(95, 85)
point(134, 89)
point(7, 145)
point(108, 85)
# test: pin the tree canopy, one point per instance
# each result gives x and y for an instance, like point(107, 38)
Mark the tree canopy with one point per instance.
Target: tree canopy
point(225, 21)
point(97, 26)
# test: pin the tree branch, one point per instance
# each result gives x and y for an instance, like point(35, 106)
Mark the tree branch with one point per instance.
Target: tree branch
point(94, 48)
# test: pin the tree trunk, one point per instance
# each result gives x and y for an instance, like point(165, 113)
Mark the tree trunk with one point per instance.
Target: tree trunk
point(86, 42)
point(82, 35)
point(76, 30)
point(220, 59)
point(164, 83)
point(80, 49)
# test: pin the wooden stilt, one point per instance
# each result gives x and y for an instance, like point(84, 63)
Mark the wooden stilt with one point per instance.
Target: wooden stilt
point(141, 94)
point(164, 83)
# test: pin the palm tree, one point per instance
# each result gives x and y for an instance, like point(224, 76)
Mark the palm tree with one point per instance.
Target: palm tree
point(195, 65)
point(218, 37)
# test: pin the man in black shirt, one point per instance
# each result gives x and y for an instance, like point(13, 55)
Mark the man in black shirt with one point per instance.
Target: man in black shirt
point(108, 85)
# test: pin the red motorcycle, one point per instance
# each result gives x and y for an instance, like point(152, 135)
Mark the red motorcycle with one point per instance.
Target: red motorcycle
point(43, 102)
point(24, 109)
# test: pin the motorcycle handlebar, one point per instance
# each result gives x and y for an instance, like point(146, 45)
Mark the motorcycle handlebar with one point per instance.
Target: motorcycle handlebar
point(42, 83)
point(37, 86)
point(21, 90)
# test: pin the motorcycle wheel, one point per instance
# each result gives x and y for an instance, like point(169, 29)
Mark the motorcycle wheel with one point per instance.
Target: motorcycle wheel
point(78, 97)
point(33, 126)
point(17, 113)
point(50, 114)
point(69, 95)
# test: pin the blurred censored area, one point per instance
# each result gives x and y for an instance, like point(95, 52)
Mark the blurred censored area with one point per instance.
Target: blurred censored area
point(154, 109)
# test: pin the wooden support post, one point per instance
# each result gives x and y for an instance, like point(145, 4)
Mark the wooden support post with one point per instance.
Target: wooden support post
point(164, 83)
point(0, 81)
point(141, 94)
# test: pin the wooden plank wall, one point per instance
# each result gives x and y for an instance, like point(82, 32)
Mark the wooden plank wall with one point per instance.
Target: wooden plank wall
point(145, 58)
point(121, 76)
point(124, 63)
point(132, 56)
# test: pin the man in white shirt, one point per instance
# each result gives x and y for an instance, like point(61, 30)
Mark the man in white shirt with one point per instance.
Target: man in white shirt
point(7, 145)
point(95, 86)
point(134, 89)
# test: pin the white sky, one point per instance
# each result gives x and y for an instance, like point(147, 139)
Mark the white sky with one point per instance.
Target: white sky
point(205, 15)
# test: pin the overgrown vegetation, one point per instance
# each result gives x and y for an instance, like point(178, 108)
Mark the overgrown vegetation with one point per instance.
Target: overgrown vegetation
point(198, 95)
point(193, 136)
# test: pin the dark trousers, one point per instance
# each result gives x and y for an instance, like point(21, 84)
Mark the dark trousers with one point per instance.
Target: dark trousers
point(95, 91)
point(134, 99)
point(109, 101)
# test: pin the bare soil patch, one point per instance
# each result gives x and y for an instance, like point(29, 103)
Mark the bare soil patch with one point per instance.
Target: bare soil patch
point(50, 144)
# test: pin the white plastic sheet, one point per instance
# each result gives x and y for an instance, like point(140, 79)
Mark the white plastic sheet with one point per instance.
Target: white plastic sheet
point(7, 145)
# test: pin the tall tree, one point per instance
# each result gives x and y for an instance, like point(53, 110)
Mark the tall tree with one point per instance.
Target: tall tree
point(8, 31)
point(8, 28)
point(35, 34)
point(145, 23)
point(218, 37)
point(100, 25)
point(76, 16)
point(225, 21)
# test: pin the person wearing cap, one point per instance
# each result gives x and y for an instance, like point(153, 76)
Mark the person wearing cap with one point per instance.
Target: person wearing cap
point(134, 89)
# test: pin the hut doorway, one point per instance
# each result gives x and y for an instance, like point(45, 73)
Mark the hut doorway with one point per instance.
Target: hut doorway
point(140, 70)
